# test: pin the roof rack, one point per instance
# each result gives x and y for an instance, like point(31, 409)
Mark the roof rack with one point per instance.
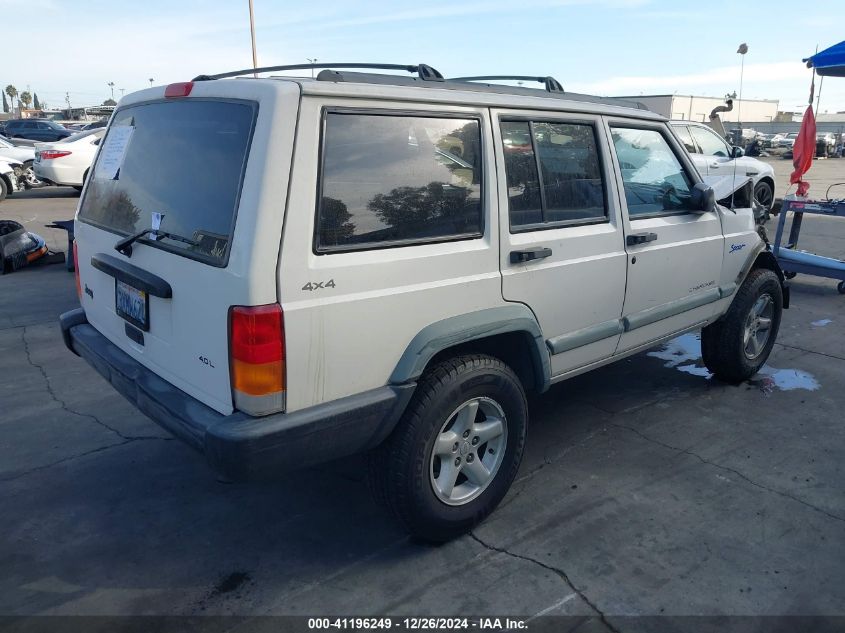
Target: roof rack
point(552, 84)
point(424, 71)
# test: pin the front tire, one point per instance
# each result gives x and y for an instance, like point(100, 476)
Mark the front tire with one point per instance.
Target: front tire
point(736, 346)
point(764, 195)
point(456, 450)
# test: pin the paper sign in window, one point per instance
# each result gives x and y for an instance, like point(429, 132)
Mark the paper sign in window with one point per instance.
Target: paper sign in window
point(113, 152)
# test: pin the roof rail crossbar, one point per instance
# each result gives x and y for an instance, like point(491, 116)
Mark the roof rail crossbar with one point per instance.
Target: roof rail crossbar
point(424, 71)
point(552, 84)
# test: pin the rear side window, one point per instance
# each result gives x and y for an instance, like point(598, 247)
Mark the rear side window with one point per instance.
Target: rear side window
point(183, 159)
point(553, 174)
point(390, 180)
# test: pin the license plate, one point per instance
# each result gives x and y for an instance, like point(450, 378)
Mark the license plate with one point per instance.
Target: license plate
point(131, 304)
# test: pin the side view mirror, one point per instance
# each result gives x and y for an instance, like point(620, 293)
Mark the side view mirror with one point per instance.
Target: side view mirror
point(703, 199)
point(737, 152)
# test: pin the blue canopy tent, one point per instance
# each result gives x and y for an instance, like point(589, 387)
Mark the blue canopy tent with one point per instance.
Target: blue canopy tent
point(830, 61)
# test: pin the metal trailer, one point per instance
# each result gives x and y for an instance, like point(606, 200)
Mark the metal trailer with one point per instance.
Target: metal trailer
point(793, 261)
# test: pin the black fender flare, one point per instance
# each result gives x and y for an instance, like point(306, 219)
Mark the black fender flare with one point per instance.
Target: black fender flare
point(765, 258)
point(464, 328)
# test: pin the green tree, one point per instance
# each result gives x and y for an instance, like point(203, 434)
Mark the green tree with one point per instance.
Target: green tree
point(5, 103)
point(36, 104)
point(418, 206)
point(12, 92)
point(110, 102)
point(25, 99)
point(335, 225)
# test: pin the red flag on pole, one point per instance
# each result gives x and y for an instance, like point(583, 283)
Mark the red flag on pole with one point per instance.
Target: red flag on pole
point(803, 152)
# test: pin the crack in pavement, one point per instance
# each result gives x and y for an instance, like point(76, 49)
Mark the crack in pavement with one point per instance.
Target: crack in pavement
point(18, 327)
point(68, 459)
point(65, 407)
point(558, 572)
point(730, 470)
point(810, 351)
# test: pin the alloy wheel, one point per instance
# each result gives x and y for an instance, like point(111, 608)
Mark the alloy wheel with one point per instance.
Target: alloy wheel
point(468, 451)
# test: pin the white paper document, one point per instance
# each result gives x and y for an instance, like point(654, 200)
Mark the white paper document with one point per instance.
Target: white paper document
point(113, 152)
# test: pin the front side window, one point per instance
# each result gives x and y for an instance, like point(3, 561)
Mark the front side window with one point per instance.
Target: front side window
point(710, 142)
point(684, 134)
point(553, 174)
point(389, 180)
point(654, 179)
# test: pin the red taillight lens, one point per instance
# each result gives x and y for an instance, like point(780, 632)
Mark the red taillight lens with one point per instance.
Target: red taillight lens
point(257, 355)
point(76, 271)
point(49, 154)
point(181, 89)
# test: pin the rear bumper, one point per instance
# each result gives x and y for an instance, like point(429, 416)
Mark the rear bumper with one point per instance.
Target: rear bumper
point(58, 174)
point(238, 446)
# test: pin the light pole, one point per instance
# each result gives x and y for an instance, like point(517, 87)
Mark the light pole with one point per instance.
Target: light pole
point(111, 85)
point(122, 90)
point(742, 50)
point(312, 61)
point(252, 36)
point(151, 82)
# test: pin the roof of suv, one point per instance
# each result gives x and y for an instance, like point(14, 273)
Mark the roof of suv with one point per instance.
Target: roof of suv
point(431, 87)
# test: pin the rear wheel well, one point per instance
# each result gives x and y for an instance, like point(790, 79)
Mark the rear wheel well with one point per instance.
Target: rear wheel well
point(512, 348)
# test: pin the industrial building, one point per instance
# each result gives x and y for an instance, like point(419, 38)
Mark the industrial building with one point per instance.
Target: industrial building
point(694, 108)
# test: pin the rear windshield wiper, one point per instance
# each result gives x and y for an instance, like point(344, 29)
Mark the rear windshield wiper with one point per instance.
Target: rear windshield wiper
point(125, 245)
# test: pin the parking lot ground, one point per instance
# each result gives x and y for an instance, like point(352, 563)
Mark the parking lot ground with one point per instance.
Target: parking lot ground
point(648, 488)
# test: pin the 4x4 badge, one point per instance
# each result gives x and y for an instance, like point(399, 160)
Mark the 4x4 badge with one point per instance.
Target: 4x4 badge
point(318, 285)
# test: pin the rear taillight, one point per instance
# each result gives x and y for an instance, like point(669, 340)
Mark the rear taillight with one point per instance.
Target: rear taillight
point(257, 358)
point(76, 271)
point(48, 154)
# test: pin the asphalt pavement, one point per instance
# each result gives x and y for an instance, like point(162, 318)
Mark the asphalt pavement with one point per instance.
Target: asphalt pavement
point(648, 488)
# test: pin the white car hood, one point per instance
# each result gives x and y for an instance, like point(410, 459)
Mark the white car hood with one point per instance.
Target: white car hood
point(724, 186)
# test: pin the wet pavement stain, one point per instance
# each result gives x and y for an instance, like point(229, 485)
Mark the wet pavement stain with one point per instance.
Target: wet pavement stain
point(684, 354)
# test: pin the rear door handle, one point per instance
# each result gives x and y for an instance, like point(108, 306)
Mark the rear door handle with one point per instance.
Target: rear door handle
point(520, 257)
point(640, 238)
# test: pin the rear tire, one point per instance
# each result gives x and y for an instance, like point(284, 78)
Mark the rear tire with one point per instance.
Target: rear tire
point(4, 189)
point(455, 452)
point(736, 346)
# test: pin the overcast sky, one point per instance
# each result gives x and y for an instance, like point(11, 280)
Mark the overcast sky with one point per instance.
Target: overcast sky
point(608, 47)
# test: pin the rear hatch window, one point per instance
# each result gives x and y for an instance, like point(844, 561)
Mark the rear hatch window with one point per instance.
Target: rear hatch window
point(176, 166)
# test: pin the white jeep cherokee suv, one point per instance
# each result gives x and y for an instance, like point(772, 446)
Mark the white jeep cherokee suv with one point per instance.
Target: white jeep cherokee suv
point(285, 271)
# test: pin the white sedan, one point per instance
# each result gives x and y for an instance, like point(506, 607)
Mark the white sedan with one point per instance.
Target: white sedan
point(714, 157)
point(66, 162)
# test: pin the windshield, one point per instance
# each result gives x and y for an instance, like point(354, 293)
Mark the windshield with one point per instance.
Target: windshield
point(181, 159)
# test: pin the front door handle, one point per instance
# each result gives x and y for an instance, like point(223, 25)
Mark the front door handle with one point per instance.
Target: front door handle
point(520, 257)
point(640, 238)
